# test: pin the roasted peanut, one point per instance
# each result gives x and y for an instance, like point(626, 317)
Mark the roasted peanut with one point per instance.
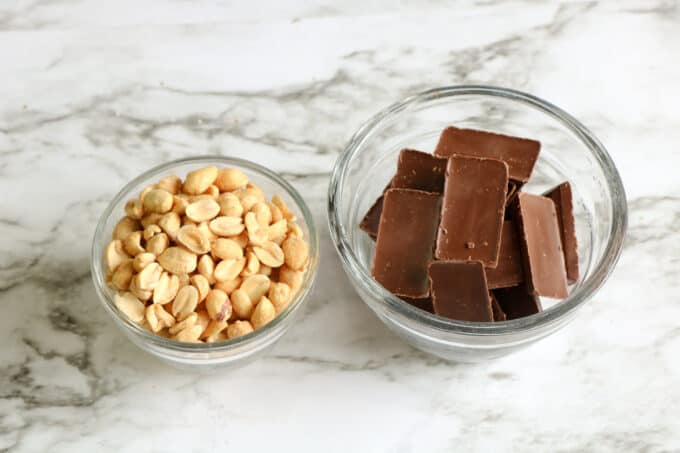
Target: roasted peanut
point(178, 260)
point(203, 210)
point(263, 313)
point(263, 214)
point(171, 184)
point(151, 218)
point(248, 198)
point(252, 266)
point(230, 285)
point(294, 230)
point(146, 190)
point(189, 321)
point(285, 212)
point(179, 204)
point(157, 318)
point(148, 278)
point(157, 200)
point(291, 277)
point(190, 334)
point(238, 329)
point(193, 239)
point(133, 243)
point(230, 205)
point(158, 244)
point(270, 254)
point(226, 249)
point(296, 252)
point(229, 269)
point(279, 295)
point(277, 231)
point(265, 270)
point(170, 223)
point(230, 179)
point(134, 208)
point(122, 276)
point(241, 239)
point(115, 255)
point(206, 267)
point(125, 227)
point(226, 226)
point(256, 286)
point(213, 332)
point(241, 304)
point(198, 181)
point(185, 302)
point(202, 320)
point(141, 294)
point(166, 289)
point(206, 231)
point(218, 305)
point(276, 212)
point(213, 192)
point(257, 235)
point(142, 260)
point(202, 285)
point(151, 231)
point(130, 306)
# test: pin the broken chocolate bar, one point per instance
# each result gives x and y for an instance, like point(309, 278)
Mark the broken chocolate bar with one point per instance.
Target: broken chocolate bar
point(508, 272)
point(459, 291)
point(371, 220)
point(541, 246)
point(564, 206)
point(519, 153)
point(516, 302)
point(498, 313)
point(419, 171)
point(406, 236)
point(472, 210)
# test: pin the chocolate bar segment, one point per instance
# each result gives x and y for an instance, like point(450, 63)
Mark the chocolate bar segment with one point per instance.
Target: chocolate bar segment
point(541, 246)
point(519, 153)
point(516, 302)
point(406, 235)
point(509, 271)
point(419, 171)
point(472, 210)
point(371, 220)
point(564, 206)
point(459, 291)
point(498, 313)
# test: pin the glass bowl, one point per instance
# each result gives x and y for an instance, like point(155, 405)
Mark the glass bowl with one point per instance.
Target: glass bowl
point(201, 356)
point(569, 152)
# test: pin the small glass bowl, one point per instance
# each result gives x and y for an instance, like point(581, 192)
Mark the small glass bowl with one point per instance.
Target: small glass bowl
point(201, 356)
point(569, 152)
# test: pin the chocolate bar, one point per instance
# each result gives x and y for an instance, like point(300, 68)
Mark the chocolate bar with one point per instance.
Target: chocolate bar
point(564, 206)
point(519, 153)
point(472, 210)
point(509, 271)
point(419, 171)
point(406, 235)
point(459, 291)
point(517, 302)
point(371, 220)
point(498, 313)
point(541, 246)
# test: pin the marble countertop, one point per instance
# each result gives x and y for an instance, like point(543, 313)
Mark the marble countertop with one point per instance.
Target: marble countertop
point(93, 93)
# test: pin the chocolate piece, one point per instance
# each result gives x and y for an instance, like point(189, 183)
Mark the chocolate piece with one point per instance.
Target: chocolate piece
point(540, 243)
point(512, 191)
point(472, 210)
point(519, 153)
point(516, 302)
point(371, 220)
point(564, 206)
point(508, 272)
point(424, 303)
point(408, 227)
point(419, 171)
point(498, 313)
point(459, 290)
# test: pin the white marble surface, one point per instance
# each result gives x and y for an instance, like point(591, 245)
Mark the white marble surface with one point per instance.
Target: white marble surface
point(92, 93)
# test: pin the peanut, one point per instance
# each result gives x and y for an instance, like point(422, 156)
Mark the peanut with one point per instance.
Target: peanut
point(248, 198)
point(202, 210)
point(270, 254)
point(150, 231)
point(141, 294)
point(179, 204)
point(252, 265)
point(265, 270)
point(226, 226)
point(170, 223)
point(206, 231)
point(122, 276)
point(190, 334)
point(242, 305)
point(157, 200)
point(263, 214)
point(206, 267)
point(202, 285)
point(256, 191)
point(213, 332)
point(189, 321)
point(218, 305)
point(230, 179)
point(238, 329)
point(257, 235)
point(193, 239)
point(276, 212)
point(285, 212)
point(263, 313)
point(229, 286)
point(277, 231)
point(130, 306)
point(125, 227)
point(133, 244)
point(150, 219)
point(142, 260)
point(229, 269)
point(148, 278)
point(213, 192)
point(171, 184)
point(241, 239)
point(146, 190)
point(255, 286)
point(296, 252)
point(157, 318)
point(202, 320)
point(198, 181)
point(158, 244)
point(279, 295)
point(185, 302)
point(134, 208)
point(291, 277)
point(295, 230)
point(115, 255)
point(230, 205)
point(166, 289)
point(226, 249)
point(177, 260)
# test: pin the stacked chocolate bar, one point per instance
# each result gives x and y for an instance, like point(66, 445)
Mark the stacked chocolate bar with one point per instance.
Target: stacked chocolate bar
point(456, 236)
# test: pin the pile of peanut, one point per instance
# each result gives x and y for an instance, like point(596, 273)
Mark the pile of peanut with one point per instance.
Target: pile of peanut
point(205, 259)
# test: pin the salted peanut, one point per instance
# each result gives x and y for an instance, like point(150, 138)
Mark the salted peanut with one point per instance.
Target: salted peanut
point(134, 208)
point(187, 221)
point(296, 252)
point(166, 289)
point(133, 244)
point(256, 286)
point(229, 286)
point(248, 198)
point(130, 306)
point(213, 332)
point(241, 304)
point(189, 321)
point(238, 329)
point(185, 302)
point(263, 313)
point(189, 335)
point(229, 269)
point(177, 260)
point(277, 231)
point(157, 200)
point(295, 230)
point(287, 214)
point(146, 190)
point(122, 276)
point(198, 181)
point(151, 231)
point(148, 278)
point(179, 204)
point(291, 277)
point(241, 239)
point(257, 235)
point(212, 191)
point(115, 255)
point(206, 231)
point(193, 239)
point(203, 210)
point(202, 319)
point(142, 260)
point(276, 212)
point(158, 244)
point(154, 324)
point(184, 280)
point(170, 223)
point(218, 305)
point(265, 270)
point(221, 336)
point(125, 227)
point(279, 295)
point(230, 205)
point(257, 191)
point(252, 266)
point(226, 249)
point(151, 218)
point(270, 254)
point(202, 285)
point(206, 267)
point(263, 214)
point(171, 184)
point(226, 226)
point(230, 179)
point(141, 294)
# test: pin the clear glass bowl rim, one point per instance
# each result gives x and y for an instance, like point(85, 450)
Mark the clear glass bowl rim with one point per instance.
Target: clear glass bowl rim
point(549, 316)
point(96, 260)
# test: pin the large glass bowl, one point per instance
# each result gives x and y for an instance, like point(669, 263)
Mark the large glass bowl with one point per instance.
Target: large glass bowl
point(569, 152)
point(200, 356)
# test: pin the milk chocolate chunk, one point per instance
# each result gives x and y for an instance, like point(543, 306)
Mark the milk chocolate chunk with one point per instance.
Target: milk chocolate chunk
point(424, 303)
point(541, 246)
point(459, 291)
point(509, 271)
point(419, 171)
point(519, 153)
point(406, 235)
point(517, 302)
point(371, 220)
point(498, 313)
point(472, 210)
point(564, 206)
